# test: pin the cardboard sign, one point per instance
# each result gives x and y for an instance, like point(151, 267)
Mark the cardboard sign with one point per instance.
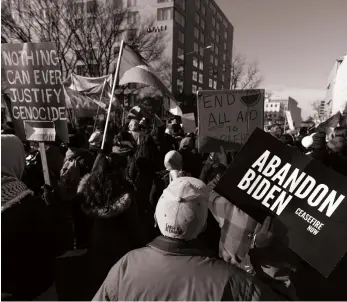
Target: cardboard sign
point(188, 121)
point(307, 198)
point(32, 79)
point(290, 120)
point(228, 117)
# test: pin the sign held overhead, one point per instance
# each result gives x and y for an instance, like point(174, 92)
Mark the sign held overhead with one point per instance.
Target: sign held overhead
point(227, 117)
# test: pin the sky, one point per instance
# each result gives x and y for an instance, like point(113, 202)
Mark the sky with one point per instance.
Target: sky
point(295, 42)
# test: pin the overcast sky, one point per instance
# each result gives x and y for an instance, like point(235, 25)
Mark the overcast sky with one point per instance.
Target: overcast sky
point(295, 42)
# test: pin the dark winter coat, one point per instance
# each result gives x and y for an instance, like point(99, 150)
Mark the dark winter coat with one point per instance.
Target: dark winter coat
point(116, 229)
point(210, 171)
point(27, 249)
point(173, 270)
point(192, 163)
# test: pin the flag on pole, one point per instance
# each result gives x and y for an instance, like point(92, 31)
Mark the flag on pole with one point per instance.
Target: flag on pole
point(134, 69)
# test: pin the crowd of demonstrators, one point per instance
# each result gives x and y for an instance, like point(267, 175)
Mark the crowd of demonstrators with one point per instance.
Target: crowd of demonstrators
point(146, 204)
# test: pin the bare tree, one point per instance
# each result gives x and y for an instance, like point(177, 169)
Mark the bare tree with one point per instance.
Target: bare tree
point(85, 33)
point(244, 75)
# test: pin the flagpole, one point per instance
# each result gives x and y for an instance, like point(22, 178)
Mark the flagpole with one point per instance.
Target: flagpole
point(97, 111)
point(112, 92)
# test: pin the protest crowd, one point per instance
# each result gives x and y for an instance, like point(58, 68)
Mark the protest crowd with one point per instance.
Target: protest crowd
point(139, 219)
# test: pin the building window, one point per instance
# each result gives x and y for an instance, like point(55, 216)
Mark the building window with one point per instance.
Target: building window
point(181, 4)
point(216, 61)
point(133, 17)
point(212, 7)
point(217, 26)
point(197, 3)
point(201, 78)
point(195, 76)
point(164, 14)
point(181, 36)
point(79, 8)
point(91, 7)
point(132, 3)
point(179, 85)
point(224, 56)
point(214, 84)
point(197, 18)
point(216, 50)
point(211, 59)
point(196, 33)
point(217, 38)
point(194, 88)
point(196, 47)
point(225, 23)
point(119, 37)
point(180, 70)
point(195, 62)
point(212, 46)
point(226, 35)
point(223, 78)
point(225, 45)
point(214, 21)
point(202, 24)
point(180, 53)
point(81, 69)
point(179, 18)
point(210, 83)
point(213, 34)
point(203, 10)
point(224, 69)
point(201, 65)
point(163, 1)
point(202, 38)
point(219, 16)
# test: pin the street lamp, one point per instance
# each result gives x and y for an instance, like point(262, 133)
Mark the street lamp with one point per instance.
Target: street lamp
point(195, 51)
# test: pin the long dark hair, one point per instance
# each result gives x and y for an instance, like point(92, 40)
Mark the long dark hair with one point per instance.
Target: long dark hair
point(106, 181)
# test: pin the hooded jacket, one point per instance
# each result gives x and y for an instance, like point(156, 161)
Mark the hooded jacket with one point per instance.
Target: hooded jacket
point(180, 271)
point(27, 250)
point(115, 230)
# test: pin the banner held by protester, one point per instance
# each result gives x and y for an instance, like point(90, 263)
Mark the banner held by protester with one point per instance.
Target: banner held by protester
point(309, 199)
point(32, 78)
point(228, 117)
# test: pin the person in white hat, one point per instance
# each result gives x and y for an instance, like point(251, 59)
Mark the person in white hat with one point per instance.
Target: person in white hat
point(176, 266)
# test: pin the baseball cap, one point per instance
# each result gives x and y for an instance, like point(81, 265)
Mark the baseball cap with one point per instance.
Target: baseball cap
point(182, 209)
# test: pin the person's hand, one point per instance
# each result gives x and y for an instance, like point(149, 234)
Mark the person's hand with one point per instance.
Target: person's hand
point(211, 185)
point(223, 157)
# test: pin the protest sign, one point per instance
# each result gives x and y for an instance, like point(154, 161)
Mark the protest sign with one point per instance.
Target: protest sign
point(290, 120)
point(307, 198)
point(188, 121)
point(32, 82)
point(228, 117)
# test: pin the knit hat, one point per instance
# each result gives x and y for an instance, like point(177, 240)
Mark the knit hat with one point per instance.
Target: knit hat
point(182, 210)
point(12, 156)
point(337, 144)
point(187, 144)
point(173, 161)
point(307, 141)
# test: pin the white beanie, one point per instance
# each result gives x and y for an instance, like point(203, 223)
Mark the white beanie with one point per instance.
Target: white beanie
point(182, 210)
point(307, 141)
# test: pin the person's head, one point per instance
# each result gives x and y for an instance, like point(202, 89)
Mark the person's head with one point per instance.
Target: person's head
point(182, 210)
point(101, 125)
point(12, 156)
point(144, 122)
point(287, 139)
point(187, 144)
point(173, 161)
point(134, 125)
point(337, 145)
point(104, 184)
point(341, 132)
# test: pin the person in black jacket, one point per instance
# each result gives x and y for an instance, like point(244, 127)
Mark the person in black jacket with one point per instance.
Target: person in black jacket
point(27, 250)
point(108, 199)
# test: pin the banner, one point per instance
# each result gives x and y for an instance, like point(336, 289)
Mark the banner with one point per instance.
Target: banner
point(188, 121)
point(32, 82)
point(228, 117)
point(307, 198)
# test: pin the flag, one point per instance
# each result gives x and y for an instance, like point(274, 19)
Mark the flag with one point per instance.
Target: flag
point(331, 122)
point(340, 88)
point(134, 69)
point(83, 94)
